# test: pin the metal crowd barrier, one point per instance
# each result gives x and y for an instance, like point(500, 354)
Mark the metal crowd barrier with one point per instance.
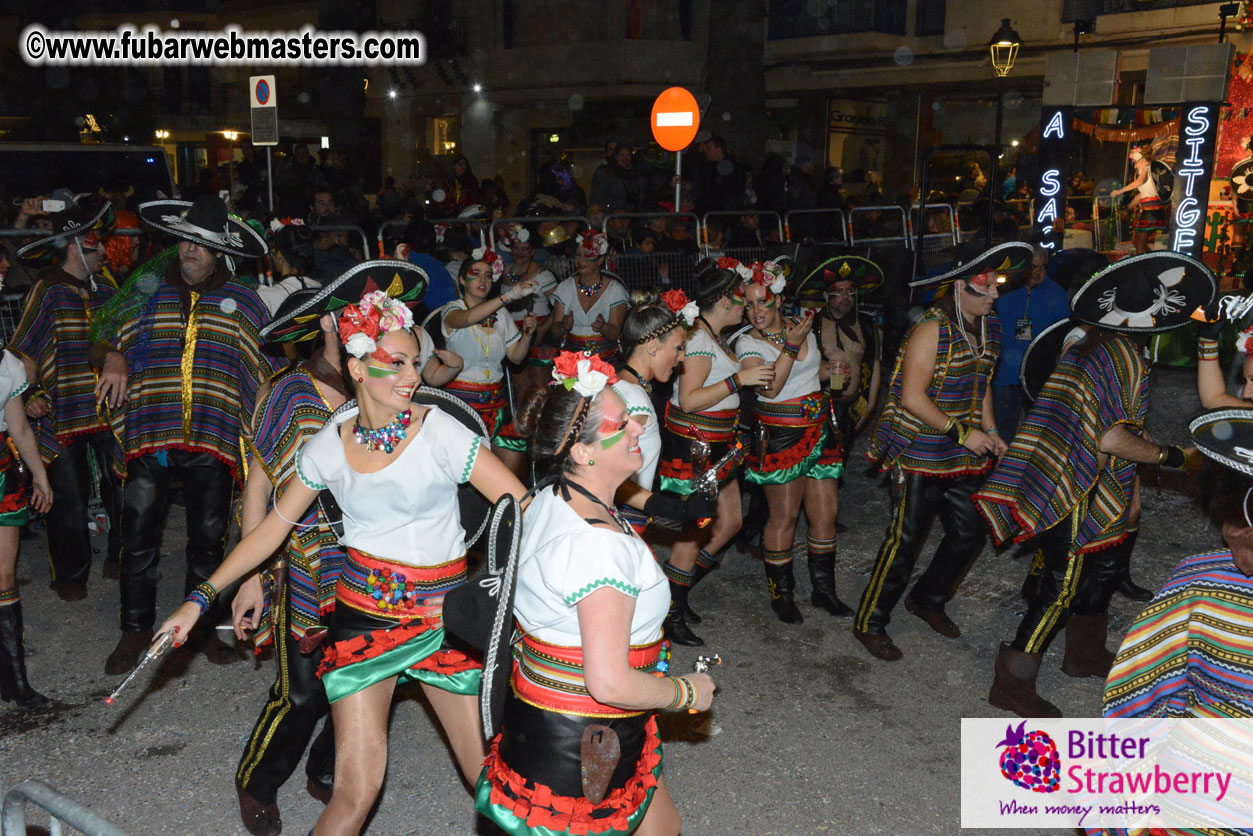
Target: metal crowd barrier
point(61, 809)
point(659, 270)
point(400, 223)
point(532, 221)
point(732, 213)
point(11, 304)
point(888, 241)
point(835, 224)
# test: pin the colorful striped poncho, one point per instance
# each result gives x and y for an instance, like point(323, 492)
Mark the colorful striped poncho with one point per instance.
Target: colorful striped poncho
point(289, 414)
point(958, 384)
point(1053, 469)
point(193, 372)
point(1190, 654)
point(54, 334)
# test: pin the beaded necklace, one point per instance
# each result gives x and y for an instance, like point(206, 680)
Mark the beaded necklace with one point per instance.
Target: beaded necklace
point(776, 337)
point(646, 385)
point(589, 290)
point(384, 438)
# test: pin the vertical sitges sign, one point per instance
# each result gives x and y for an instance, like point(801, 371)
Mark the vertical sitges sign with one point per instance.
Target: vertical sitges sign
point(1198, 133)
point(1052, 183)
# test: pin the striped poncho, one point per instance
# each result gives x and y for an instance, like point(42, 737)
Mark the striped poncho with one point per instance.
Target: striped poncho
point(289, 414)
point(53, 334)
point(957, 387)
point(1053, 468)
point(194, 365)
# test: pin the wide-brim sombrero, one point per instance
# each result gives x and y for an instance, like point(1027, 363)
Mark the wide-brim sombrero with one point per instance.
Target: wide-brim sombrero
point(401, 280)
point(295, 327)
point(1004, 259)
point(205, 224)
point(866, 276)
point(79, 219)
point(1146, 294)
point(1042, 355)
point(1226, 436)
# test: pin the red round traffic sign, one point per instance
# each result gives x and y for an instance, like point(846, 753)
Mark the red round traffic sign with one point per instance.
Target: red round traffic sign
point(675, 119)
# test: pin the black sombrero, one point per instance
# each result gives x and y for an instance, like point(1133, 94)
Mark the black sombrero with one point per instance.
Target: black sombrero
point(1226, 436)
point(81, 217)
point(1146, 294)
point(1042, 356)
point(866, 276)
point(205, 222)
point(401, 280)
point(1006, 258)
point(296, 327)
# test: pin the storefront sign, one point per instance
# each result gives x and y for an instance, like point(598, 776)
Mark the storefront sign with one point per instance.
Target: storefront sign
point(1051, 186)
point(1198, 135)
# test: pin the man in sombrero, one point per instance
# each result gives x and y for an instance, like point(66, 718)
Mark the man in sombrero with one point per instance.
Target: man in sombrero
point(301, 589)
point(1068, 478)
point(938, 436)
point(851, 343)
point(191, 345)
point(71, 402)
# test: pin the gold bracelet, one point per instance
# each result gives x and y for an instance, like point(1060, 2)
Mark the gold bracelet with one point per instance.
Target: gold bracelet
point(963, 431)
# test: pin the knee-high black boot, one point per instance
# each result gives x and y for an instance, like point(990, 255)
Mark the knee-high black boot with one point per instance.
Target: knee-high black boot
point(822, 576)
point(705, 563)
point(13, 685)
point(1124, 585)
point(781, 582)
point(675, 625)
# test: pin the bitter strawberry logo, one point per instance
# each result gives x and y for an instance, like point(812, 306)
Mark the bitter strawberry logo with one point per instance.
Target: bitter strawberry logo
point(1030, 760)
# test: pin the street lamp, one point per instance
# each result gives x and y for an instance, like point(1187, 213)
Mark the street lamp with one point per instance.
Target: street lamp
point(1004, 51)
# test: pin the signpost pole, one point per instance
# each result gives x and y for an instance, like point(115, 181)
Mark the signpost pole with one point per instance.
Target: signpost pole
point(678, 180)
point(269, 176)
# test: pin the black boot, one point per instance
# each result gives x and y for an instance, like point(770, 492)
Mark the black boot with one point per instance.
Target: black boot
point(1125, 586)
point(781, 582)
point(675, 625)
point(822, 576)
point(13, 685)
point(705, 564)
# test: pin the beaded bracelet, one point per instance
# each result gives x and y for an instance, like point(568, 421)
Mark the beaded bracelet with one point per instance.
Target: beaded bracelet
point(733, 383)
point(202, 596)
point(1207, 350)
point(791, 350)
point(685, 695)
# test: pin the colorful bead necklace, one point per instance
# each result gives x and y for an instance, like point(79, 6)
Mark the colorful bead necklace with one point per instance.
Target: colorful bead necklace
point(590, 290)
point(384, 438)
point(776, 337)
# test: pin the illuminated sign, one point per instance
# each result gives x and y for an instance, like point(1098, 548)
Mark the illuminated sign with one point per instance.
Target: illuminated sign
point(1198, 136)
point(1051, 185)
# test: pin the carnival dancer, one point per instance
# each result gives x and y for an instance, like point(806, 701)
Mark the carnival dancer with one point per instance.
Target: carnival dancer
point(188, 333)
point(1210, 385)
point(536, 372)
point(1068, 477)
point(483, 334)
point(14, 686)
point(1152, 217)
point(301, 589)
point(851, 342)
point(590, 602)
point(705, 408)
point(590, 306)
point(53, 342)
point(291, 256)
point(937, 435)
point(800, 460)
point(393, 469)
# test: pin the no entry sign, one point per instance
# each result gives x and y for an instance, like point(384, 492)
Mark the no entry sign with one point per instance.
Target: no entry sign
point(676, 118)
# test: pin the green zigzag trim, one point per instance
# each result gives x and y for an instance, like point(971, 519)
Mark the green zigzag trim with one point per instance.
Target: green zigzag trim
point(470, 459)
point(622, 586)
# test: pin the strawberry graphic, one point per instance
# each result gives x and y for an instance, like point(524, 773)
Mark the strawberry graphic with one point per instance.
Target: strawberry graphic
point(1030, 759)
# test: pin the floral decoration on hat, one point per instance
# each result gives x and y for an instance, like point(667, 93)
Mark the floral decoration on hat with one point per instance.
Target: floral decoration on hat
point(361, 325)
point(592, 243)
point(585, 373)
point(491, 258)
point(681, 306)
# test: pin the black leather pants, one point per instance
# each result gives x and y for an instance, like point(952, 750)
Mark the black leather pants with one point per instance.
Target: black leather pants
point(919, 498)
point(296, 702)
point(69, 474)
point(207, 487)
point(1080, 584)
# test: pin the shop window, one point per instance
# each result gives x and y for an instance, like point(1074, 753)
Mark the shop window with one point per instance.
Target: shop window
point(805, 18)
point(930, 20)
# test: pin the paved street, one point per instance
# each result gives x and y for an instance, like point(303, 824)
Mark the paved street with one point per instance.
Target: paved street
point(809, 734)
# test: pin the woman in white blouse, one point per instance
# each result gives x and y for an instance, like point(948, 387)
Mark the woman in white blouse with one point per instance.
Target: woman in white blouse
point(405, 551)
point(590, 306)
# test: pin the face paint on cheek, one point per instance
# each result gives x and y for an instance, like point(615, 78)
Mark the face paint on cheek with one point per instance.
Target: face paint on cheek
point(91, 240)
point(618, 432)
point(380, 371)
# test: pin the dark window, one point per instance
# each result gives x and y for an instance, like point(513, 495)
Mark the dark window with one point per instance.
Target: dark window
point(930, 17)
point(1073, 10)
point(807, 18)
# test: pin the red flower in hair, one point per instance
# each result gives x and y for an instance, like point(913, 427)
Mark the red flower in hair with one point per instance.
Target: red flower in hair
point(585, 373)
point(567, 363)
point(353, 321)
point(674, 299)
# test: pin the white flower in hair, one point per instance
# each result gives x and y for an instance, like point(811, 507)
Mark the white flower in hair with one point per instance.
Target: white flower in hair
point(360, 345)
point(590, 381)
point(777, 286)
point(745, 272)
point(689, 312)
point(478, 253)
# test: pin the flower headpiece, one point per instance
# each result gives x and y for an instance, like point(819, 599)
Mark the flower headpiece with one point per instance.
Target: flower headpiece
point(769, 274)
point(585, 373)
point(515, 234)
point(1244, 340)
point(277, 224)
point(361, 325)
point(736, 266)
point(593, 244)
point(680, 306)
point(440, 231)
point(491, 258)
